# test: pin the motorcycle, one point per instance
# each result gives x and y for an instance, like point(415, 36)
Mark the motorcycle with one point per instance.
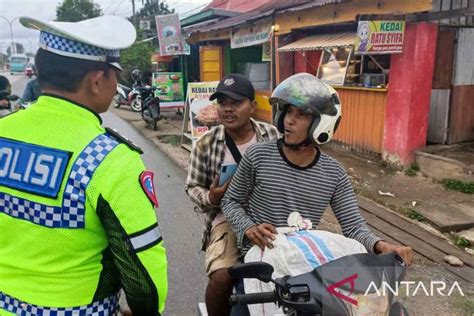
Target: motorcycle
point(29, 71)
point(339, 287)
point(128, 96)
point(151, 106)
point(5, 102)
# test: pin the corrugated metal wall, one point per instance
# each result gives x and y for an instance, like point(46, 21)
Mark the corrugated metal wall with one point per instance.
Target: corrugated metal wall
point(461, 118)
point(442, 81)
point(363, 115)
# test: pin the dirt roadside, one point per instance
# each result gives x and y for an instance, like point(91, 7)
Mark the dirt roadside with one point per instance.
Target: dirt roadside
point(369, 176)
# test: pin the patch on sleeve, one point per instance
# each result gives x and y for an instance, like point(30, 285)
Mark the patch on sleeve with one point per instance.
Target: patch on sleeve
point(146, 181)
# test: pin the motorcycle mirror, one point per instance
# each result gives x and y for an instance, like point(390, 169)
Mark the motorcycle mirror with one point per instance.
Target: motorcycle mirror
point(252, 270)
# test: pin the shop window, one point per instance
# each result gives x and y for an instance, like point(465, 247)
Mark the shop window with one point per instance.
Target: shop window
point(334, 62)
point(341, 67)
point(369, 71)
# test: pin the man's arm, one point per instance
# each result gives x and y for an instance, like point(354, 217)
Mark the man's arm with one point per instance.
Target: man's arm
point(345, 207)
point(237, 196)
point(130, 224)
point(197, 183)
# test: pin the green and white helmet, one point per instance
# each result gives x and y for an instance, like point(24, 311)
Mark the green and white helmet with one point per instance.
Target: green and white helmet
point(312, 96)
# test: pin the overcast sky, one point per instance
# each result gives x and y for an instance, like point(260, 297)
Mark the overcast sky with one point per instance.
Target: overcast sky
point(46, 9)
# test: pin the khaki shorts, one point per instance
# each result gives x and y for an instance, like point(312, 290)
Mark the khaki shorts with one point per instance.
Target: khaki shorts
point(222, 252)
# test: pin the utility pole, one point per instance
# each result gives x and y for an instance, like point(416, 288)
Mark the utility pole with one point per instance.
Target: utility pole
point(133, 12)
point(13, 48)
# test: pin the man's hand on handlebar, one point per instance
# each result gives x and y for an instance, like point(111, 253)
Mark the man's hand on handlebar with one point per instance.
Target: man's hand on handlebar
point(261, 235)
point(406, 253)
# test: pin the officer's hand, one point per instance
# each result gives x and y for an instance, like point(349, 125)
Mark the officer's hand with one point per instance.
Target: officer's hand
point(261, 235)
point(216, 193)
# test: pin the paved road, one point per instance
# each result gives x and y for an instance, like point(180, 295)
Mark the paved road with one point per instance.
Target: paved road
point(180, 227)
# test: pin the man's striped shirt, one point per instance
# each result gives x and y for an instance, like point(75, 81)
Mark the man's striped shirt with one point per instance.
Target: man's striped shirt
point(267, 188)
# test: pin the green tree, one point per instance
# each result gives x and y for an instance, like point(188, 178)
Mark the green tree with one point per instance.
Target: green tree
point(138, 56)
point(77, 10)
point(152, 8)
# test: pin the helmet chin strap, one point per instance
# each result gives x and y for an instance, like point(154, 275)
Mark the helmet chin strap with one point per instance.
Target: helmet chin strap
point(302, 145)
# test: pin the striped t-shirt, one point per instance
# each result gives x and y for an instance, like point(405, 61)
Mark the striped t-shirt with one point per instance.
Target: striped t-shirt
point(267, 187)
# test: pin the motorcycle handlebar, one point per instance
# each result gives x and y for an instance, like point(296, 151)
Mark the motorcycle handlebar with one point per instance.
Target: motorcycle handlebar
point(252, 298)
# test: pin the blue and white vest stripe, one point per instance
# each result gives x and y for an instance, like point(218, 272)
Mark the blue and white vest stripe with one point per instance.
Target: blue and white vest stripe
point(72, 212)
point(105, 307)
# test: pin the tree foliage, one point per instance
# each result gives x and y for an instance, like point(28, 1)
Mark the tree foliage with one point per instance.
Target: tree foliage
point(151, 9)
point(77, 10)
point(138, 56)
point(154, 7)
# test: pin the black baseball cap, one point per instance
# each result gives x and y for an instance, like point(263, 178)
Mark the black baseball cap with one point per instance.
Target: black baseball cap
point(234, 86)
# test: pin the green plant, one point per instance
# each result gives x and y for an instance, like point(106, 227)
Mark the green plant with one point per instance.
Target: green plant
point(416, 216)
point(460, 241)
point(412, 170)
point(458, 185)
point(411, 213)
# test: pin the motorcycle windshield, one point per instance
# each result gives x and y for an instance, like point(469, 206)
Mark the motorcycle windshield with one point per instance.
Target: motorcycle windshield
point(340, 286)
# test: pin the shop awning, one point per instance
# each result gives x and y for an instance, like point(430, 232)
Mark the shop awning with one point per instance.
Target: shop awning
point(321, 41)
point(312, 4)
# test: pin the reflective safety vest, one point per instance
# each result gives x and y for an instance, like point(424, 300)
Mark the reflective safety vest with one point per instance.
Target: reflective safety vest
point(77, 216)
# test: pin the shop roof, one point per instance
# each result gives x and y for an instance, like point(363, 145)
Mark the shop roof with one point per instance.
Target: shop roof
point(257, 14)
point(207, 15)
point(237, 5)
point(321, 41)
point(312, 4)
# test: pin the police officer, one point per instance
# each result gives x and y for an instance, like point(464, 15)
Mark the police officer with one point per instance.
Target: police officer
point(77, 207)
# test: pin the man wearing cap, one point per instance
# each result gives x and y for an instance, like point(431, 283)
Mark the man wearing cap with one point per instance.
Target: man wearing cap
point(77, 207)
point(224, 144)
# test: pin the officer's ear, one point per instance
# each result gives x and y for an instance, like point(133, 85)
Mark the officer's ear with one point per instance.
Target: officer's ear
point(94, 80)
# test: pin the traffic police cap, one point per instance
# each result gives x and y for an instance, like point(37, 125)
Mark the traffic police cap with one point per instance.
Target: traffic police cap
point(98, 39)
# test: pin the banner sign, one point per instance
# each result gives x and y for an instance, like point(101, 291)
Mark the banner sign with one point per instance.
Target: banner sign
point(251, 35)
point(267, 51)
point(169, 88)
point(168, 29)
point(202, 112)
point(379, 37)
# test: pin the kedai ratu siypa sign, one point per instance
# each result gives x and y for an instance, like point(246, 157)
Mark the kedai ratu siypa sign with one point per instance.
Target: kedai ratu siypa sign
point(379, 37)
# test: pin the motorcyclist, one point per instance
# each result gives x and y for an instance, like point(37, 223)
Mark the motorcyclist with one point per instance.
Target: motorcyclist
point(293, 173)
point(5, 96)
point(136, 77)
point(5, 91)
point(31, 93)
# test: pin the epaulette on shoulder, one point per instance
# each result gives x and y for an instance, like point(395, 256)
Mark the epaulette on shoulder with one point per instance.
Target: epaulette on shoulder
point(122, 139)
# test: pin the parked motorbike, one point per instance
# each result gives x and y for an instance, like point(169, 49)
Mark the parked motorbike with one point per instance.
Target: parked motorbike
point(128, 96)
point(328, 289)
point(151, 106)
